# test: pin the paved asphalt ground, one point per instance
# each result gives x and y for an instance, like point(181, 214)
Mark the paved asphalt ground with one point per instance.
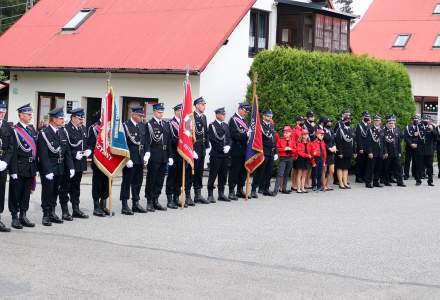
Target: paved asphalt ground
point(357, 244)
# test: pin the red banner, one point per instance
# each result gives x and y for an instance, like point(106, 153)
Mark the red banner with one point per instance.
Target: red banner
point(185, 146)
point(107, 157)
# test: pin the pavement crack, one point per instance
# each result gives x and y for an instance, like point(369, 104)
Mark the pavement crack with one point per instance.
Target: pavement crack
point(248, 263)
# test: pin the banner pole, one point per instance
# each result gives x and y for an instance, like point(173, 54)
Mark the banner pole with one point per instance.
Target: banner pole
point(248, 179)
point(110, 201)
point(182, 194)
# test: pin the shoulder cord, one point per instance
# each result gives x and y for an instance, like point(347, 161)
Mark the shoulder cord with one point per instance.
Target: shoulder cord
point(153, 137)
point(51, 148)
point(344, 136)
point(239, 129)
point(172, 129)
point(22, 147)
point(130, 137)
point(267, 134)
point(195, 127)
point(363, 133)
point(375, 139)
point(407, 130)
point(216, 135)
point(80, 142)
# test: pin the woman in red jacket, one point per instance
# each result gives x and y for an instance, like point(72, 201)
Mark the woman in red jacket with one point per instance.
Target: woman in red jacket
point(286, 149)
point(303, 164)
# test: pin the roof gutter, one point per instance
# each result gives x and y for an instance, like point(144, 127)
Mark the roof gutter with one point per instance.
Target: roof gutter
point(421, 63)
point(101, 70)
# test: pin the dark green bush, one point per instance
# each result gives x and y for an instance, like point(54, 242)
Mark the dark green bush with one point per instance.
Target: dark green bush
point(291, 82)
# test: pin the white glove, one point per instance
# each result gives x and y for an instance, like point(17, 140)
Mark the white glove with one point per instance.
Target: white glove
point(147, 157)
point(226, 149)
point(49, 176)
point(14, 176)
point(275, 157)
point(3, 165)
point(170, 161)
point(87, 152)
point(72, 173)
point(129, 164)
point(79, 155)
point(196, 156)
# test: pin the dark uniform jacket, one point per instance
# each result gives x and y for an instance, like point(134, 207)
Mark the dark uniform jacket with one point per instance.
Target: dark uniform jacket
point(174, 130)
point(329, 139)
point(311, 129)
point(219, 137)
point(344, 141)
point(201, 142)
point(136, 141)
point(429, 139)
point(374, 142)
point(238, 128)
point(92, 136)
point(6, 143)
point(392, 142)
point(24, 162)
point(361, 136)
point(54, 154)
point(77, 138)
point(158, 141)
point(409, 134)
point(269, 143)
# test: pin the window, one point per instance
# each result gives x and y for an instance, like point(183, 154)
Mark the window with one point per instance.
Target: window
point(78, 19)
point(319, 31)
point(401, 40)
point(436, 9)
point(147, 103)
point(336, 35)
point(47, 102)
point(328, 30)
point(258, 31)
point(436, 42)
point(344, 35)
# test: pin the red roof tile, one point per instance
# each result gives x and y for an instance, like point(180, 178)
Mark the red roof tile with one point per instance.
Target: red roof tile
point(147, 35)
point(385, 19)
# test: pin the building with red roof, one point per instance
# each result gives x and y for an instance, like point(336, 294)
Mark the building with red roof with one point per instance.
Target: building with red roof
point(59, 52)
point(405, 31)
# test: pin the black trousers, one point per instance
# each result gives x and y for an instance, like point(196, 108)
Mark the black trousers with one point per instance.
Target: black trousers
point(373, 170)
point(196, 180)
point(393, 167)
point(131, 180)
point(361, 163)
point(99, 184)
point(174, 178)
point(50, 189)
point(263, 174)
point(438, 159)
point(218, 167)
point(423, 163)
point(237, 172)
point(409, 157)
point(155, 179)
point(3, 176)
point(428, 166)
point(71, 189)
point(19, 194)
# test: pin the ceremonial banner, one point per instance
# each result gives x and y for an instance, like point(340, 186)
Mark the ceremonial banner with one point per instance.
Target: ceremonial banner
point(185, 146)
point(254, 149)
point(111, 150)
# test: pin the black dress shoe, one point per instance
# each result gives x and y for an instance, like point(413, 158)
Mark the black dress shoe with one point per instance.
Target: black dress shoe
point(222, 197)
point(240, 193)
point(137, 208)
point(158, 206)
point(348, 187)
point(393, 181)
point(46, 221)
point(16, 223)
point(170, 202)
point(359, 180)
point(254, 194)
point(401, 184)
point(232, 196)
point(430, 183)
point(3, 227)
point(269, 193)
point(387, 184)
point(418, 182)
point(55, 219)
point(286, 192)
point(369, 185)
point(377, 184)
point(405, 177)
point(127, 211)
point(188, 200)
point(25, 221)
point(66, 217)
point(98, 212)
point(78, 213)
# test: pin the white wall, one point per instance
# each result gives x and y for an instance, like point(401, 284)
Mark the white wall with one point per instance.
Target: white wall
point(425, 81)
point(77, 86)
point(224, 81)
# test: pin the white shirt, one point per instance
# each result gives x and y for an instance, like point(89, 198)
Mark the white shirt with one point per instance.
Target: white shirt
point(178, 119)
point(158, 121)
point(218, 121)
point(53, 128)
point(135, 123)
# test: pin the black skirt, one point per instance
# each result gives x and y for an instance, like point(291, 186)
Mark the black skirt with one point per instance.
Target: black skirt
point(343, 163)
point(330, 158)
point(303, 163)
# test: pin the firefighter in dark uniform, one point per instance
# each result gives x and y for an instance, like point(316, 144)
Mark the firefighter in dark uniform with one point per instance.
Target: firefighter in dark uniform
point(201, 143)
point(132, 173)
point(6, 153)
point(392, 152)
point(427, 130)
point(410, 137)
point(174, 178)
point(238, 128)
point(437, 135)
point(361, 138)
point(346, 113)
point(310, 125)
point(344, 140)
point(264, 172)
point(55, 160)
point(158, 143)
point(76, 134)
point(421, 136)
point(374, 147)
point(99, 179)
point(220, 139)
point(23, 168)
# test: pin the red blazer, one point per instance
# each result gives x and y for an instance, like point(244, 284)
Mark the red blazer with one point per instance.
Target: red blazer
point(305, 150)
point(282, 143)
point(319, 148)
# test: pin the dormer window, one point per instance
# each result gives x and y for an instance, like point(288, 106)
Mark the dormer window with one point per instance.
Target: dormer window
point(436, 9)
point(401, 40)
point(437, 42)
point(78, 19)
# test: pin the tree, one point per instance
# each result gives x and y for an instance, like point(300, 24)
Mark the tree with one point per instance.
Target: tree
point(345, 6)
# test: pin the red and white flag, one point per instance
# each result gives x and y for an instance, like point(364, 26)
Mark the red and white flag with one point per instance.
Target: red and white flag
point(185, 146)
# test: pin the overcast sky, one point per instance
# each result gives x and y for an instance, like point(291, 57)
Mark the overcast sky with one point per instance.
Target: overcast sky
point(360, 6)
